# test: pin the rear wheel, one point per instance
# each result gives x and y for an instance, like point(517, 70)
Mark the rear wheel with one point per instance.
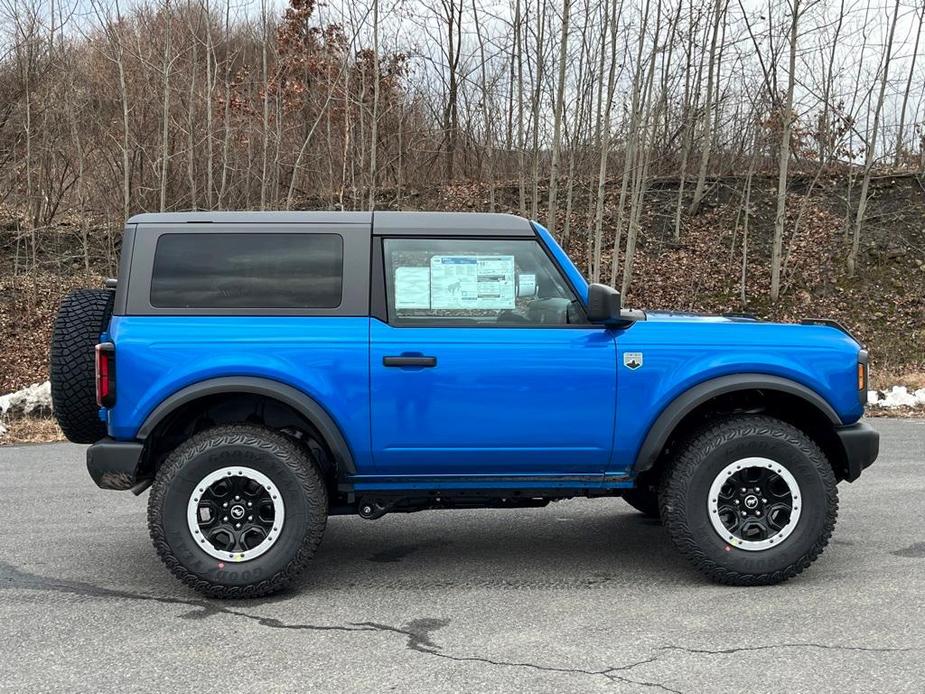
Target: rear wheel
point(750, 500)
point(237, 511)
point(82, 316)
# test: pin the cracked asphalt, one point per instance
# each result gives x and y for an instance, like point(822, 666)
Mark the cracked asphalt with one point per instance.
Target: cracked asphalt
point(582, 596)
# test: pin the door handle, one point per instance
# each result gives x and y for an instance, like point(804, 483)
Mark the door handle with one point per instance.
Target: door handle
point(409, 361)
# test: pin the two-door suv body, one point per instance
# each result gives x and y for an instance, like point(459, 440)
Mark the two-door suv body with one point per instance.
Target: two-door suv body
point(265, 370)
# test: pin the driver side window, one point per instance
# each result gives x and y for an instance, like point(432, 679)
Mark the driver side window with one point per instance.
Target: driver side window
point(476, 282)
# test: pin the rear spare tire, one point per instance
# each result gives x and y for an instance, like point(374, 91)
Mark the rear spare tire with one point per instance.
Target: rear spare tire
point(83, 315)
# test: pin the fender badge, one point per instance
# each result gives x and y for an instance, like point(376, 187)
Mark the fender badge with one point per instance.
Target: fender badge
point(632, 360)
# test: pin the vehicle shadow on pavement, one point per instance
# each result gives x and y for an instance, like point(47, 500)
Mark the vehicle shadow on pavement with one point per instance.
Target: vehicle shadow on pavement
point(546, 548)
point(552, 547)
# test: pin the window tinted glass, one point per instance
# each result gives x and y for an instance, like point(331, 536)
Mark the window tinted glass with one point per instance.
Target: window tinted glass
point(476, 282)
point(248, 271)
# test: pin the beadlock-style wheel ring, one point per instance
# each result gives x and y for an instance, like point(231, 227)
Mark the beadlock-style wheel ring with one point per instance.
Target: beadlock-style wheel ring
point(754, 504)
point(235, 514)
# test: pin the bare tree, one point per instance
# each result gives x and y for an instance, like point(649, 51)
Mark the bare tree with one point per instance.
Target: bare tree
point(786, 118)
point(170, 105)
point(637, 105)
point(484, 102)
point(557, 120)
point(265, 129)
point(706, 130)
point(897, 159)
point(374, 126)
point(166, 64)
point(452, 17)
point(870, 146)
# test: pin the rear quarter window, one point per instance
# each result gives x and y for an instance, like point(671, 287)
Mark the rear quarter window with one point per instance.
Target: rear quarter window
point(248, 270)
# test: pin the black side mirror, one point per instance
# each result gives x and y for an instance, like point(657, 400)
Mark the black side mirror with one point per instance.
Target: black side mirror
point(603, 304)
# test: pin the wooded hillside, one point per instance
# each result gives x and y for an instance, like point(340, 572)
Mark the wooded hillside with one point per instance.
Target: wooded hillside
point(719, 155)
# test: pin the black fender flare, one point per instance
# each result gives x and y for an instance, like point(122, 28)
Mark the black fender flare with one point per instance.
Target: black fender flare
point(302, 403)
point(695, 396)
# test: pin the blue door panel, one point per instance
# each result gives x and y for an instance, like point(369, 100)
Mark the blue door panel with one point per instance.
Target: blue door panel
point(498, 401)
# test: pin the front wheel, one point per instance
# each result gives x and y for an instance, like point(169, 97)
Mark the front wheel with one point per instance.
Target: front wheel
point(750, 500)
point(237, 511)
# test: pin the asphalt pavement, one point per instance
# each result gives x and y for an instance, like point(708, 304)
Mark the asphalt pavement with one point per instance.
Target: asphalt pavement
point(581, 596)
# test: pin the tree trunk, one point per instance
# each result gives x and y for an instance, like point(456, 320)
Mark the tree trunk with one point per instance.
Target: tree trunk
point(706, 133)
point(265, 130)
point(557, 121)
point(780, 216)
point(521, 144)
point(486, 118)
point(165, 113)
point(629, 158)
point(603, 128)
point(374, 125)
point(870, 149)
point(897, 159)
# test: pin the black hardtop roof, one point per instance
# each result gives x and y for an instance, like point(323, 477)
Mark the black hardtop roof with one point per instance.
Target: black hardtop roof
point(388, 222)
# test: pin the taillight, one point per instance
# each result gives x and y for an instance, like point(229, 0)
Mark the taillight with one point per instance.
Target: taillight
point(106, 374)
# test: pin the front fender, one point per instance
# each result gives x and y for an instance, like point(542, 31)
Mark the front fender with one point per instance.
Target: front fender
point(816, 363)
point(689, 400)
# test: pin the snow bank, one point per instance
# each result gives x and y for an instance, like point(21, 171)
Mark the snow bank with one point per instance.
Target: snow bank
point(31, 400)
point(897, 396)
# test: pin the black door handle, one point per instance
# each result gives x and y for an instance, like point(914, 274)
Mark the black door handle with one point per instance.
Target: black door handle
point(409, 361)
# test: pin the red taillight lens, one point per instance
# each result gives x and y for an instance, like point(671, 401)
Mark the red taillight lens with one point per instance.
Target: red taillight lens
point(106, 374)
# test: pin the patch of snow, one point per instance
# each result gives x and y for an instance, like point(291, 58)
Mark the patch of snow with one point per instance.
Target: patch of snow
point(34, 399)
point(897, 396)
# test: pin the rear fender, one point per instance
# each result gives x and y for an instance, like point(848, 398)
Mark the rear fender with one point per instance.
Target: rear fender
point(296, 399)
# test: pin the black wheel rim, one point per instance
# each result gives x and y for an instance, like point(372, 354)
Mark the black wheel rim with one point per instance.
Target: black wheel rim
point(235, 514)
point(754, 503)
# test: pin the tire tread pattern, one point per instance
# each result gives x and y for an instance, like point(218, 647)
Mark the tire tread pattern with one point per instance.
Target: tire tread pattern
point(677, 480)
point(282, 447)
point(83, 315)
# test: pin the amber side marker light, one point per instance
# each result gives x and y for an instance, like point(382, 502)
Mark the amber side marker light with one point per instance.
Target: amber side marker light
point(863, 375)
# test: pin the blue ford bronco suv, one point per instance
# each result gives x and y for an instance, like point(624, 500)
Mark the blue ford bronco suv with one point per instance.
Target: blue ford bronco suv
point(262, 371)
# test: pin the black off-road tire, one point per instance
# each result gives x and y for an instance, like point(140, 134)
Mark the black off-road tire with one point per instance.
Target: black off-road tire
point(286, 462)
point(644, 500)
point(685, 488)
point(82, 316)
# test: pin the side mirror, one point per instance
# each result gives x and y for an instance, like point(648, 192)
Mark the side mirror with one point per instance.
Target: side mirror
point(603, 304)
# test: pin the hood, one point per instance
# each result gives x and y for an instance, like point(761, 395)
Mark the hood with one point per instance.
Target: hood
point(726, 318)
point(679, 316)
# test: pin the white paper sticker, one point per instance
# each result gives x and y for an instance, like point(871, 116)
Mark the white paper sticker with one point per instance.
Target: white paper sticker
point(472, 281)
point(412, 287)
point(526, 285)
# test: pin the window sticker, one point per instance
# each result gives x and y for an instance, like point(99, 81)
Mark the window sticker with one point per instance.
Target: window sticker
point(412, 287)
point(472, 281)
